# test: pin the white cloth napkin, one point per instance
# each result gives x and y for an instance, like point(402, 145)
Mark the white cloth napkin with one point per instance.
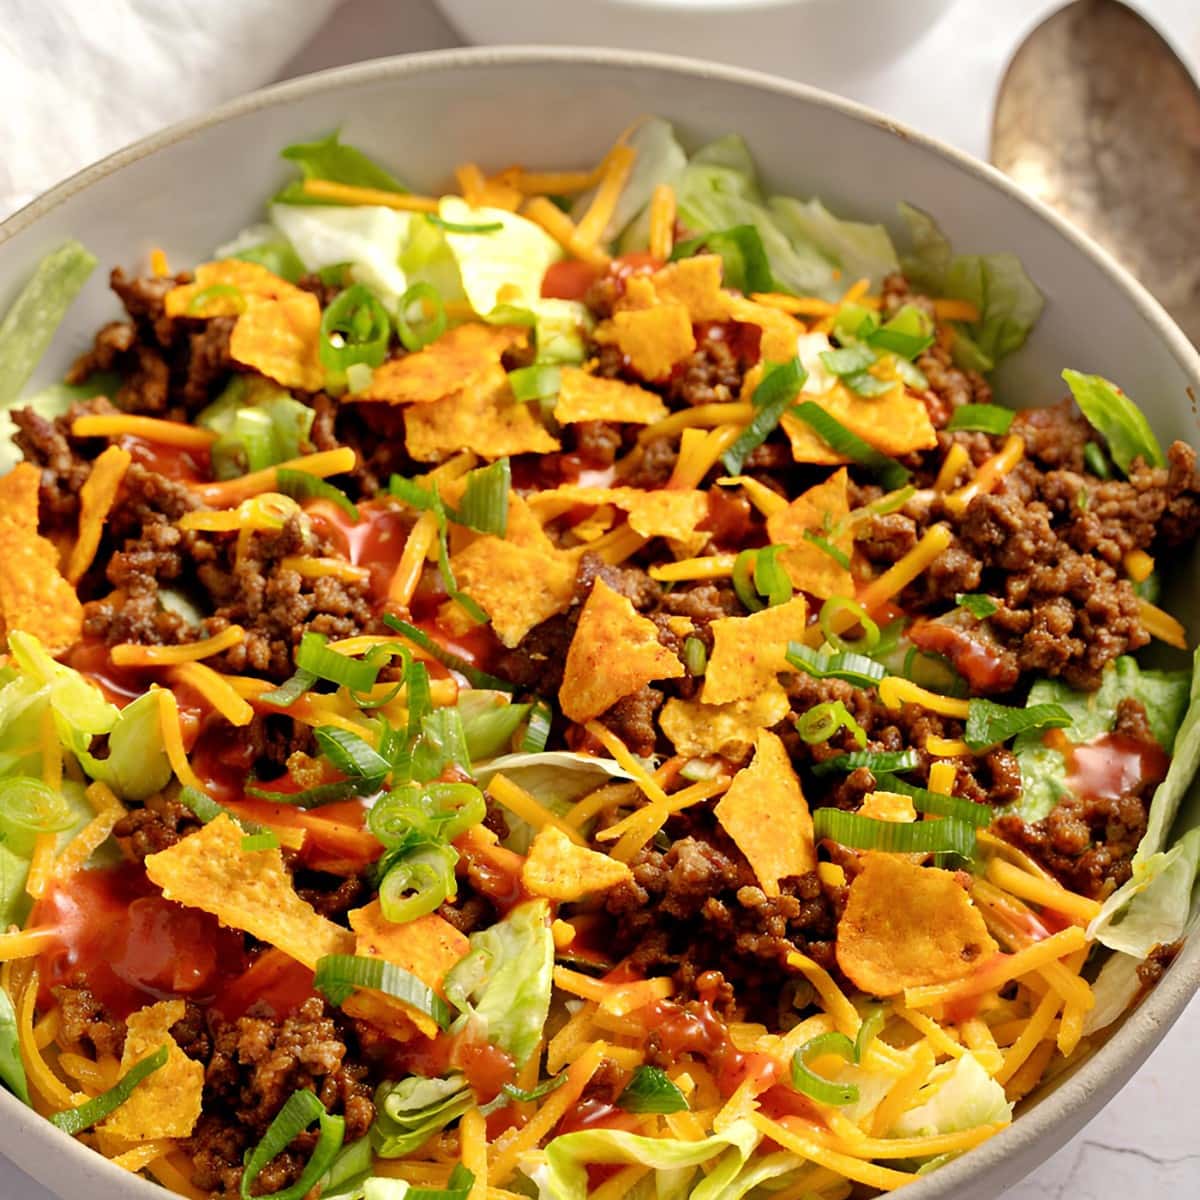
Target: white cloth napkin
point(81, 78)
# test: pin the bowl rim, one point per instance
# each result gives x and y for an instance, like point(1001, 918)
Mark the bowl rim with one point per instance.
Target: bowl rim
point(1037, 1133)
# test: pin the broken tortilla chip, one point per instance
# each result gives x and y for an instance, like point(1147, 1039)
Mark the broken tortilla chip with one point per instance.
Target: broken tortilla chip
point(95, 501)
point(445, 367)
point(281, 339)
point(427, 948)
point(663, 512)
point(896, 423)
point(247, 890)
point(908, 926)
point(560, 870)
point(653, 339)
point(224, 288)
point(615, 651)
point(749, 652)
point(34, 595)
point(765, 813)
point(821, 511)
point(166, 1104)
point(586, 397)
point(779, 333)
point(727, 730)
point(696, 284)
point(483, 417)
point(888, 806)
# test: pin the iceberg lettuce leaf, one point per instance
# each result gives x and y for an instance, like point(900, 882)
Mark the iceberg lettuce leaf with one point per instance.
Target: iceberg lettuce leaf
point(968, 1097)
point(136, 765)
point(332, 159)
point(860, 250)
point(410, 1112)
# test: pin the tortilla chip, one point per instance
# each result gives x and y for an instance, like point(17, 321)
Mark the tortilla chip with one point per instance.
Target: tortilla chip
point(280, 339)
point(586, 397)
point(96, 499)
point(166, 1104)
point(727, 730)
point(822, 511)
point(615, 651)
point(696, 284)
point(427, 948)
point(560, 870)
point(482, 417)
point(458, 358)
point(252, 280)
point(34, 596)
point(518, 587)
point(247, 890)
point(888, 806)
point(780, 332)
point(766, 814)
point(749, 652)
point(653, 339)
point(664, 512)
point(896, 423)
point(908, 926)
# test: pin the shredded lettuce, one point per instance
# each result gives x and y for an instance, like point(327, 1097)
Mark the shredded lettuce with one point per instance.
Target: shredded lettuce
point(860, 250)
point(410, 1112)
point(136, 765)
point(504, 982)
point(966, 1096)
point(14, 900)
point(563, 1175)
point(1115, 989)
point(489, 720)
point(1009, 302)
point(259, 423)
point(330, 158)
point(368, 238)
point(1044, 770)
point(349, 1172)
point(80, 709)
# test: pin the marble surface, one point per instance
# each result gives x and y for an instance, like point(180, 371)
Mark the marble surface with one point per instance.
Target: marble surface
point(1144, 1143)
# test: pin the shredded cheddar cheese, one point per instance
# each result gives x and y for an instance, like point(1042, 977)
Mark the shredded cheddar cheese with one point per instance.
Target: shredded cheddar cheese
point(150, 429)
point(345, 193)
point(216, 690)
point(519, 802)
point(956, 461)
point(662, 221)
point(1162, 625)
point(1043, 892)
point(1139, 565)
point(714, 566)
point(130, 654)
point(317, 568)
point(226, 493)
point(632, 766)
point(563, 230)
point(593, 223)
point(172, 736)
point(896, 692)
point(988, 475)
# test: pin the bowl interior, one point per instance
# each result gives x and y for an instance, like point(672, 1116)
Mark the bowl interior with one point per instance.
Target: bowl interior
point(192, 188)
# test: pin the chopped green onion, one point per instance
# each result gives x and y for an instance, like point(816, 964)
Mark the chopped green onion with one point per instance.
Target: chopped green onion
point(351, 754)
point(892, 502)
point(473, 675)
point(990, 724)
point(416, 335)
point(868, 1031)
point(288, 692)
point(695, 656)
point(427, 812)
point(908, 334)
point(745, 265)
point(314, 797)
point(743, 583)
point(252, 842)
point(981, 418)
point(807, 1082)
point(338, 975)
point(510, 314)
point(651, 1090)
point(37, 312)
point(537, 732)
point(947, 836)
point(302, 487)
point(843, 604)
point(827, 547)
point(358, 674)
point(876, 761)
point(853, 322)
point(977, 604)
point(771, 579)
point(418, 883)
point(780, 385)
point(458, 1187)
point(912, 375)
point(359, 377)
point(527, 1096)
point(12, 1068)
point(484, 506)
point(823, 720)
point(354, 329)
point(461, 227)
point(863, 383)
point(849, 360)
point(891, 474)
point(442, 745)
point(489, 721)
point(298, 1113)
point(216, 291)
point(29, 806)
point(76, 1120)
point(936, 804)
point(538, 382)
point(1096, 462)
point(207, 809)
point(820, 664)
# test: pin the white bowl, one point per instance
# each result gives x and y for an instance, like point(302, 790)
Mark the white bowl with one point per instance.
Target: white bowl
point(190, 188)
point(822, 42)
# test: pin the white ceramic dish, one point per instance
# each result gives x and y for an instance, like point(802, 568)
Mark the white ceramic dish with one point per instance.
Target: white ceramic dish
point(822, 42)
point(189, 188)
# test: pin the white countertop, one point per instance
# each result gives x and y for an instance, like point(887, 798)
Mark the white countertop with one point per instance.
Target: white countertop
point(1144, 1143)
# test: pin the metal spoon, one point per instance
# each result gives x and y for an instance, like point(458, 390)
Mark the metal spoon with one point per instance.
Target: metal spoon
point(1098, 117)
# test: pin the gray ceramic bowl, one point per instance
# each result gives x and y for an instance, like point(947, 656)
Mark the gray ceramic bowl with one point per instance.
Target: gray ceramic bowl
point(190, 188)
